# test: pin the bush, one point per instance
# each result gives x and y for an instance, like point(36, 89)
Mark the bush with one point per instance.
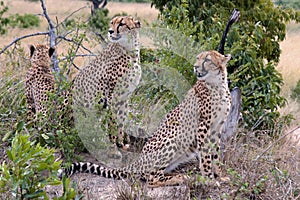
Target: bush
point(21, 21)
point(24, 21)
point(25, 176)
point(288, 3)
point(253, 43)
point(13, 109)
point(296, 92)
point(30, 169)
point(4, 21)
point(99, 21)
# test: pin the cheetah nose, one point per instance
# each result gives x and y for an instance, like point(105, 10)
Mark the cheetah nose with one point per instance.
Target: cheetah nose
point(110, 31)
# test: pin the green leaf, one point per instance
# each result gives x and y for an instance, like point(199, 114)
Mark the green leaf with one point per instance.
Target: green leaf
point(39, 193)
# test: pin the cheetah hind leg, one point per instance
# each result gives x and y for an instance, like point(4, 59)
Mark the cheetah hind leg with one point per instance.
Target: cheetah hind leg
point(160, 179)
point(126, 141)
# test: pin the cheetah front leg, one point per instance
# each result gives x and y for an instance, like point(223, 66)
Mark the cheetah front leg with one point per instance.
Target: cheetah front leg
point(208, 151)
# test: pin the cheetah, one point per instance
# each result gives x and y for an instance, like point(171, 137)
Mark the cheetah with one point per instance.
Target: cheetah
point(189, 132)
point(98, 82)
point(39, 81)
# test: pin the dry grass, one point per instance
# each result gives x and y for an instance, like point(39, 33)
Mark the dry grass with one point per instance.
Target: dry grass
point(60, 9)
point(289, 68)
point(258, 168)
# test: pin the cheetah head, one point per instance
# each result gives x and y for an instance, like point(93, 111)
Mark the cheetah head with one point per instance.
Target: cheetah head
point(210, 65)
point(120, 26)
point(41, 54)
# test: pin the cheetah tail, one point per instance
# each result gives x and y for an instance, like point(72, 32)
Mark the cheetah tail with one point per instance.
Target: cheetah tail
point(91, 168)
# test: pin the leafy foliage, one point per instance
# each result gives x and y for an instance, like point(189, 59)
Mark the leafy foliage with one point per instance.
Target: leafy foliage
point(4, 21)
point(24, 21)
point(21, 21)
point(57, 129)
point(12, 95)
point(99, 20)
point(296, 92)
point(31, 168)
point(253, 43)
point(288, 3)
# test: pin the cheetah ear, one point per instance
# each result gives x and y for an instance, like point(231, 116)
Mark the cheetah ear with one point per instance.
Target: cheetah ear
point(32, 49)
point(137, 24)
point(226, 58)
point(51, 51)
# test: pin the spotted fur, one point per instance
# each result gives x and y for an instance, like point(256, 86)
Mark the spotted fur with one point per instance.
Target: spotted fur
point(190, 132)
point(113, 74)
point(39, 81)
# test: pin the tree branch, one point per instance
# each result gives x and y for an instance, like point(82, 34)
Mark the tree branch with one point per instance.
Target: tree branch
point(52, 36)
point(73, 14)
point(73, 41)
point(101, 37)
point(22, 37)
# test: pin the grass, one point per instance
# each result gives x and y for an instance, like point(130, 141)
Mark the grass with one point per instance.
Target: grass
point(289, 68)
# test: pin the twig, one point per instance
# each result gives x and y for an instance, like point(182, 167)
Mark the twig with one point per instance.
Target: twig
point(101, 37)
point(63, 37)
point(77, 55)
point(269, 147)
point(76, 67)
point(22, 37)
point(76, 50)
point(73, 14)
point(73, 41)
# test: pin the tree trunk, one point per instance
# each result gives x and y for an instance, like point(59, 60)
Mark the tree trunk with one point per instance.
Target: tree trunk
point(232, 121)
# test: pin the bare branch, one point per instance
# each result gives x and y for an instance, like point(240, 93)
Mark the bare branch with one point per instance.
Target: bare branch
point(76, 67)
point(101, 37)
point(73, 41)
point(22, 37)
point(72, 58)
point(76, 56)
point(63, 37)
point(73, 13)
point(275, 142)
point(52, 35)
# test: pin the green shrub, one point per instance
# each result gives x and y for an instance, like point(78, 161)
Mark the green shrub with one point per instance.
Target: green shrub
point(13, 110)
point(31, 168)
point(288, 3)
point(4, 21)
point(21, 21)
point(99, 21)
point(296, 92)
point(253, 43)
point(59, 131)
point(12, 93)
point(24, 21)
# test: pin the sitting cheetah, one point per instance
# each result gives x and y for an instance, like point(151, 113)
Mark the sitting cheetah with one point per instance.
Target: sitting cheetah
point(98, 82)
point(189, 132)
point(39, 81)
